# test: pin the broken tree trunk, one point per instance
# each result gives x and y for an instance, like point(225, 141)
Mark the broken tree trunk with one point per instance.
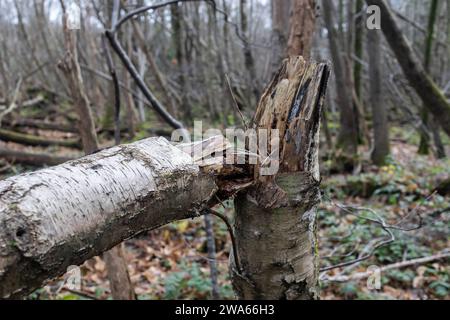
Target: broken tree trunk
point(275, 221)
point(62, 216)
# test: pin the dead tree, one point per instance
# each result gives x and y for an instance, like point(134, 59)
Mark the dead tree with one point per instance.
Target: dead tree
point(276, 219)
point(62, 216)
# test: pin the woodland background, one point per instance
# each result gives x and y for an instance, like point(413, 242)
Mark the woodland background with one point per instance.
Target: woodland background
point(381, 150)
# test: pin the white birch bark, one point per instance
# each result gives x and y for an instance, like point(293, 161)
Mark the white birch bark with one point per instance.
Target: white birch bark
point(64, 215)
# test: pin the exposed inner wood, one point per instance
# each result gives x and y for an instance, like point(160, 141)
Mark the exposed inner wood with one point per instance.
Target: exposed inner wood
point(275, 222)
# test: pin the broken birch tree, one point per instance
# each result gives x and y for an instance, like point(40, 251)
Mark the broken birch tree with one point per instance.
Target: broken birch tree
point(62, 216)
point(275, 221)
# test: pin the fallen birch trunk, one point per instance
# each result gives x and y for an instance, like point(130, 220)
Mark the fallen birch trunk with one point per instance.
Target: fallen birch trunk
point(64, 215)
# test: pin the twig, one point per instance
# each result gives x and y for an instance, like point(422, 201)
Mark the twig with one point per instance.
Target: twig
point(159, 108)
point(13, 103)
point(80, 293)
point(5, 168)
point(233, 239)
point(153, 7)
point(115, 80)
point(211, 244)
point(362, 275)
point(112, 37)
point(108, 78)
point(379, 242)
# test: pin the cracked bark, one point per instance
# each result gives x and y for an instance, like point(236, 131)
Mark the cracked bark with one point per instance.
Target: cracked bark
point(275, 221)
point(64, 215)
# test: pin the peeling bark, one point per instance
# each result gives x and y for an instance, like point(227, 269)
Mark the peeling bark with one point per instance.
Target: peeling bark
point(275, 222)
point(62, 216)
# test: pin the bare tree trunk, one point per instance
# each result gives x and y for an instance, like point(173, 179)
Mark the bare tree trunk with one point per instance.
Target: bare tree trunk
point(379, 112)
point(348, 134)
point(249, 61)
point(426, 88)
point(132, 115)
point(303, 24)
point(280, 11)
point(280, 31)
point(359, 48)
point(275, 219)
point(160, 79)
point(430, 122)
point(62, 216)
point(120, 283)
point(226, 35)
point(141, 69)
point(177, 36)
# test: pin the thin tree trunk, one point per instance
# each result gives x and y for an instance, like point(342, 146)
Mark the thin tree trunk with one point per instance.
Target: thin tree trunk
point(280, 31)
point(429, 121)
point(141, 70)
point(211, 245)
point(348, 133)
point(303, 24)
point(132, 115)
point(379, 112)
point(249, 61)
point(359, 36)
point(275, 219)
point(160, 79)
point(177, 38)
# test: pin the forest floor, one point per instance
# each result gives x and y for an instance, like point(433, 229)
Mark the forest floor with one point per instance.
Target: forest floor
point(171, 262)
